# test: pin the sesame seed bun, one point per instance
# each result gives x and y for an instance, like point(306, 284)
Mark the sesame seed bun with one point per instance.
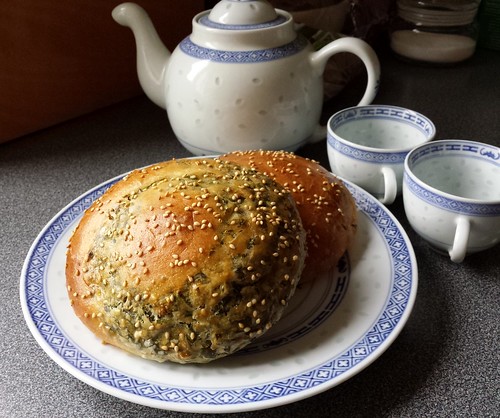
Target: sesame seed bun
point(327, 208)
point(188, 260)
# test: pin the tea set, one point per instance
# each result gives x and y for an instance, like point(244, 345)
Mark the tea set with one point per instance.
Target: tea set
point(247, 79)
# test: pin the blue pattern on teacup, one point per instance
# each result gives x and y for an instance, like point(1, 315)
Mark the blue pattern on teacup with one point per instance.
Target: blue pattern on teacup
point(205, 21)
point(385, 112)
point(451, 205)
point(489, 153)
point(470, 148)
point(403, 115)
point(243, 57)
point(388, 157)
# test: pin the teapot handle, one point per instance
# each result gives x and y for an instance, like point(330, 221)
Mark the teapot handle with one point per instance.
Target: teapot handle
point(365, 52)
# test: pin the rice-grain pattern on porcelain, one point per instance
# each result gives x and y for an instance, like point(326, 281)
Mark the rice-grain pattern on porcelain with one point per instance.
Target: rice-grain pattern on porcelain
point(244, 79)
point(451, 193)
point(368, 145)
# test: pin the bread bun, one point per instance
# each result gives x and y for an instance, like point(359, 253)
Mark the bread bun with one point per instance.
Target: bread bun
point(327, 208)
point(187, 261)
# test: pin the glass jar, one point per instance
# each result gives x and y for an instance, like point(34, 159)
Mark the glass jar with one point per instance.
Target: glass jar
point(435, 31)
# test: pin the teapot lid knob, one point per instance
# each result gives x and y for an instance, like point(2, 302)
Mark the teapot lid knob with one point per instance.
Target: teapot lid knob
point(242, 12)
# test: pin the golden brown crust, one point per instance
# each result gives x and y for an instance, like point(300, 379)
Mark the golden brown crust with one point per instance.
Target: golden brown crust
point(327, 208)
point(187, 260)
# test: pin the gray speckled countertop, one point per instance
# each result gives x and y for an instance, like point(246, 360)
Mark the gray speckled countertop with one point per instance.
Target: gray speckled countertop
point(445, 362)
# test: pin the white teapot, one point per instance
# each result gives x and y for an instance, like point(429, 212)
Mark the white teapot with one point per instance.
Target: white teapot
point(244, 79)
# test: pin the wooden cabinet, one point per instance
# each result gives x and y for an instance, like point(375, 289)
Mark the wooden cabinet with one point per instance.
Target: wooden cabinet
point(61, 59)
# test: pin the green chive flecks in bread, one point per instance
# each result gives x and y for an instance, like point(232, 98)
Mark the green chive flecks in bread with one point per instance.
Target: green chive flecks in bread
point(188, 260)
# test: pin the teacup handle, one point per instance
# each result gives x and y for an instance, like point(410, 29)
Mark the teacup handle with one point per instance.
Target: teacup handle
point(390, 186)
point(457, 252)
point(365, 52)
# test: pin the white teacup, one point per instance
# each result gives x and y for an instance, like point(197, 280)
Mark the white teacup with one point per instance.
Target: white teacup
point(451, 194)
point(367, 145)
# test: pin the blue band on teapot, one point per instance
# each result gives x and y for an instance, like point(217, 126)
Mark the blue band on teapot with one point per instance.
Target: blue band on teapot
point(243, 57)
point(205, 21)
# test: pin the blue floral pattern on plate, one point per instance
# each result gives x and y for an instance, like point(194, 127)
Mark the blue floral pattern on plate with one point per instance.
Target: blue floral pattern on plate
point(369, 344)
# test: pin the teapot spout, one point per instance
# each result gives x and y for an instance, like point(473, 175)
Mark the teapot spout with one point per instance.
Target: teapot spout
point(152, 55)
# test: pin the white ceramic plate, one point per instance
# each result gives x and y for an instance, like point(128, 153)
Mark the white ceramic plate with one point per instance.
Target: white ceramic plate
point(330, 332)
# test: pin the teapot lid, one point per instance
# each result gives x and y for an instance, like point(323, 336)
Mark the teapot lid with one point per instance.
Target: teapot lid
point(251, 25)
point(242, 14)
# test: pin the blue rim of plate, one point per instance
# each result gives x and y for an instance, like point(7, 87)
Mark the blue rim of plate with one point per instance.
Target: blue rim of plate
point(310, 382)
